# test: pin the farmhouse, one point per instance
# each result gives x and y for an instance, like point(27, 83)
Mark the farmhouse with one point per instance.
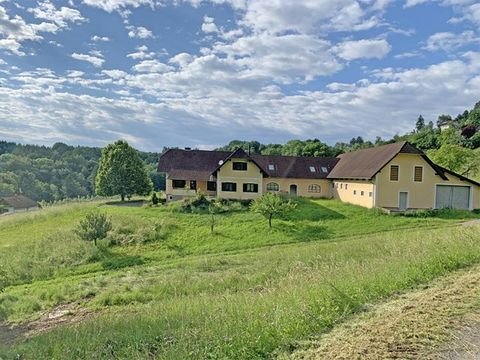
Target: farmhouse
point(395, 177)
point(18, 203)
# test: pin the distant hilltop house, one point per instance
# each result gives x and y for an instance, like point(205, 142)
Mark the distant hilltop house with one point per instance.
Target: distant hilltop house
point(17, 203)
point(395, 177)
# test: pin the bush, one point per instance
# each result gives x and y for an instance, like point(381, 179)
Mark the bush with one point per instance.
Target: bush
point(199, 203)
point(95, 226)
point(155, 199)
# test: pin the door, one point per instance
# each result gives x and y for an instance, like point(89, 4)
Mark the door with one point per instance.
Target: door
point(402, 200)
point(453, 197)
point(293, 190)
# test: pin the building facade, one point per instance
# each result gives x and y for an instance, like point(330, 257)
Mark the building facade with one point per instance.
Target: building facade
point(397, 177)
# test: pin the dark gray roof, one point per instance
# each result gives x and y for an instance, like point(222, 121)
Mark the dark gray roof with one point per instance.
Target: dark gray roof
point(200, 164)
point(18, 202)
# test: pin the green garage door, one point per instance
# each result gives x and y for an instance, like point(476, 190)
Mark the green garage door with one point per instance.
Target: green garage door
point(453, 197)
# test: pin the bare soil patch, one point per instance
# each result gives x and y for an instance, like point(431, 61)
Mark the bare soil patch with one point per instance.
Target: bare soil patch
point(61, 315)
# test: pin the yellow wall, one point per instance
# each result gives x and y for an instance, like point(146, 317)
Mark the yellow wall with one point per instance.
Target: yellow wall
point(302, 186)
point(350, 191)
point(421, 195)
point(227, 174)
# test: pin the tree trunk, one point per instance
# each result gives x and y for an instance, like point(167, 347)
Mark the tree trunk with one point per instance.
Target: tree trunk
point(123, 197)
point(95, 241)
point(212, 224)
point(270, 221)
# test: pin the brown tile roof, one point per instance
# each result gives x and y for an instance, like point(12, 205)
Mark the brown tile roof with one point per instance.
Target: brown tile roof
point(18, 202)
point(200, 164)
point(366, 163)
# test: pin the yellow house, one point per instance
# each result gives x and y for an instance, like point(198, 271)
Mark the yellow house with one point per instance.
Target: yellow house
point(237, 175)
point(395, 177)
point(399, 177)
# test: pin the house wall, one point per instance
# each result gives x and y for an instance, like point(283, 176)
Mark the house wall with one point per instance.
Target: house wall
point(421, 195)
point(350, 191)
point(302, 186)
point(252, 175)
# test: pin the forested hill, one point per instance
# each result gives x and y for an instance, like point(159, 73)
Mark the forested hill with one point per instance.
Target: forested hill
point(453, 142)
point(57, 172)
point(62, 171)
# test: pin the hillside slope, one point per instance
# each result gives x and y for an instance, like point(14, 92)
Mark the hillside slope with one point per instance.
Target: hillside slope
point(168, 288)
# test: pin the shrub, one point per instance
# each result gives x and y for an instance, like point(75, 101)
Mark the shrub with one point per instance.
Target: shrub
point(155, 199)
point(95, 226)
point(198, 203)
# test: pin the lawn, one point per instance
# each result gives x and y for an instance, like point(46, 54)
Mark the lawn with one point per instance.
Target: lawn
point(172, 289)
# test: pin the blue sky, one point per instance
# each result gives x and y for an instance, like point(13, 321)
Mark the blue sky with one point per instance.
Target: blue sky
point(201, 73)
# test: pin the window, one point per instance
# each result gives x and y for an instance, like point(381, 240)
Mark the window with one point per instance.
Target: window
point(312, 169)
point(240, 166)
point(346, 186)
point(394, 169)
point(179, 184)
point(271, 167)
point(193, 185)
point(370, 194)
point(273, 187)
point(354, 192)
point(229, 186)
point(314, 188)
point(250, 188)
point(211, 186)
point(324, 169)
point(341, 186)
point(418, 174)
point(362, 193)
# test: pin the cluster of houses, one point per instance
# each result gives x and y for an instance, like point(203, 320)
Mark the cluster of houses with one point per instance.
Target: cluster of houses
point(394, 177)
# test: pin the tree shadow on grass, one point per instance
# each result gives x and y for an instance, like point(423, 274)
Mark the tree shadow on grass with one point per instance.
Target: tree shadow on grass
point(304, 231)
point(308, 209)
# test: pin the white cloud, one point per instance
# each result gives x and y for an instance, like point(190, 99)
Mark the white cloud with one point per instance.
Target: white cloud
point(11, 45)
point(151, 66)
point(61, 17)
point(365, 48)
point(115, 5)
point(100, 38)
point(448, 41)
point(94, 60)
point(209, 26)
point(115, 74)
point(285, 59)
point(139, 32)
point(141, 53)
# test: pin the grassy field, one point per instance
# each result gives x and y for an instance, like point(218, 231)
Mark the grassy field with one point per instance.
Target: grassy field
point(170, 289)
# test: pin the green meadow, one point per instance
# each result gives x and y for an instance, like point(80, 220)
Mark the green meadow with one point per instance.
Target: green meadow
point(163, 286)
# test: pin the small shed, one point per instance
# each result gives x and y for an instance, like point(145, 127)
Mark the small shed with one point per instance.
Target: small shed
point(18, 203)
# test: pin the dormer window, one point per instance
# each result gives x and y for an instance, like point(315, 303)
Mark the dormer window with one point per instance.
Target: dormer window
point(324, 169)
point(271, 167)
point(312, 169)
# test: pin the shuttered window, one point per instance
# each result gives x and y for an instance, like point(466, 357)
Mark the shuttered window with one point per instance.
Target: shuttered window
point(229, 186)
point(418, 177)
point(394, 169)
point(179, 184)
point(252, 188)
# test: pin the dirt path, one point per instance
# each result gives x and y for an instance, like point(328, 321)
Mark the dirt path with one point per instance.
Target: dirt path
point(61, 315)
point(410, 326)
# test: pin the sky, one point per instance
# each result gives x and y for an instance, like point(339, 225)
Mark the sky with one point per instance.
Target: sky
point(200, 73)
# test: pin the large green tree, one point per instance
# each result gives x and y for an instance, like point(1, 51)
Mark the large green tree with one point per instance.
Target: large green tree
point(121, 172)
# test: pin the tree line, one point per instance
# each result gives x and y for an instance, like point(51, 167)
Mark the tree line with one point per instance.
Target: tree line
point(58, 172)
point(452, 142)
point(62, 171)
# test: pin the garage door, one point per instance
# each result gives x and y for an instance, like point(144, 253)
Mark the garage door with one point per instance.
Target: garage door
point(453, 197)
